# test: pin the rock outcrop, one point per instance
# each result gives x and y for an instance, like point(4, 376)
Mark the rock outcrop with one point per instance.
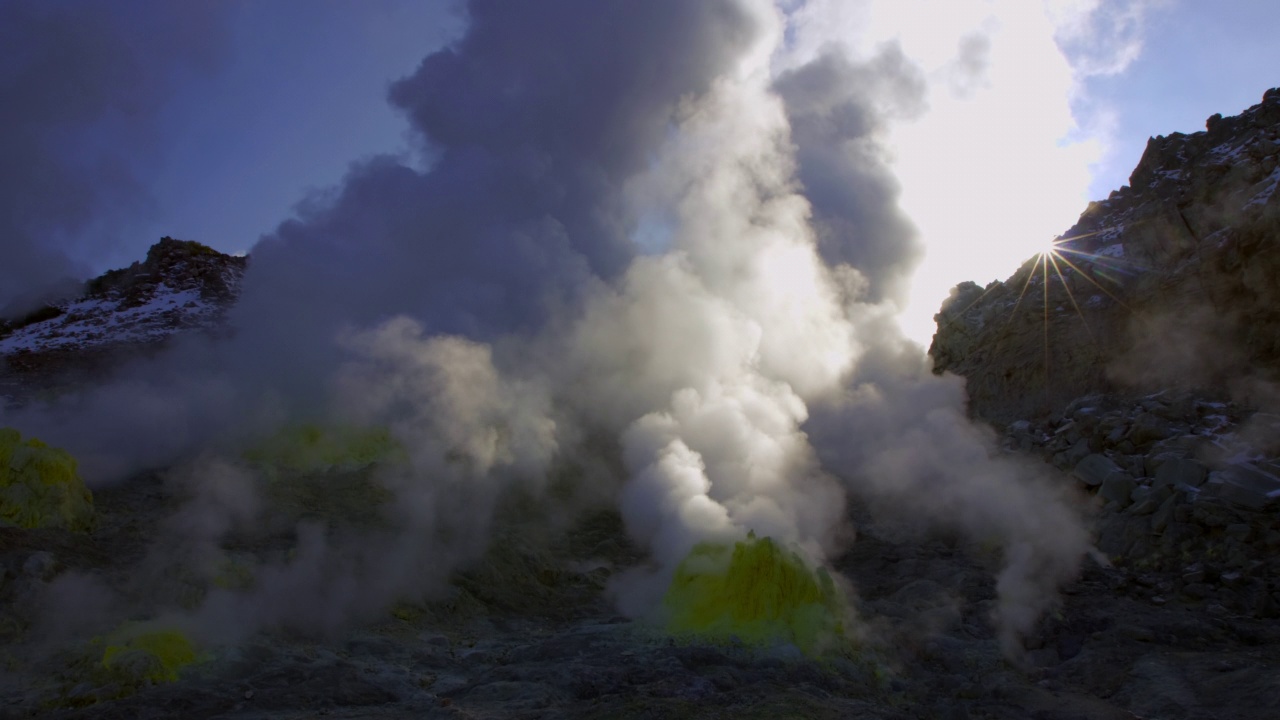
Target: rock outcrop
point(181, 286)
point(1171, 282)
point(1140, 359)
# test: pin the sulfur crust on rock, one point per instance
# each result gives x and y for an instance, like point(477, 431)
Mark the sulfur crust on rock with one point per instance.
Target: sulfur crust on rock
point(305, 449)
point(755, 592)
point(40, 486)
point(149, 657)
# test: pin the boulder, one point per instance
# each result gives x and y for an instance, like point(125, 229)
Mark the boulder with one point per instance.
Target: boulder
point(1146, 500)
point(1149, 428)
point(1096, 469)
point(1077, 453)
point(1153, 461)
point(1118, 488)
point(1244, 486)
point(1162, 517)
point(1181, 471)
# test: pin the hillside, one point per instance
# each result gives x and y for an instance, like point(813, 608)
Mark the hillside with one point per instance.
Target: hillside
point(1141, 359)
point(181, 286)
point(1172, 282)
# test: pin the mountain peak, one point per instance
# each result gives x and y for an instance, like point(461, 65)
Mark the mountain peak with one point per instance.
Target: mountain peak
point(182, 285)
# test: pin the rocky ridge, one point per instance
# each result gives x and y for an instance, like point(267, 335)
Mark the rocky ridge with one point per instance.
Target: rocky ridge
point(181, 286)
point(1141, 359)
point(1171, 282)
point(1170, 285)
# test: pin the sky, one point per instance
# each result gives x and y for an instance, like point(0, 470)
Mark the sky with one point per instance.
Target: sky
point(300, 96)
point(1196, 59)
point(271, 103)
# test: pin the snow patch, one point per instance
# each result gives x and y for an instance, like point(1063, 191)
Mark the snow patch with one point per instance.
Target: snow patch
point(1226, 152)
point(90, 322)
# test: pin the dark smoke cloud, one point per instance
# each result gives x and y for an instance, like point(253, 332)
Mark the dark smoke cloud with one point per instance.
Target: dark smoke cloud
point(82, 85)
point(535, 121)
point(839, 111)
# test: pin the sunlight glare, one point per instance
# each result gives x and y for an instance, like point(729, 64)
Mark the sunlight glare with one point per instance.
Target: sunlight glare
point(996, 163)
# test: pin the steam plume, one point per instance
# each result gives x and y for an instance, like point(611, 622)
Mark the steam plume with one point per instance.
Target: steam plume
point(632, 227)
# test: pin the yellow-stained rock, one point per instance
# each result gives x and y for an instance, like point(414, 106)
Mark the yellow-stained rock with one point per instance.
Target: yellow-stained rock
point(40, 486)
point(756, 592)
point(305, 449)
point(139, 657)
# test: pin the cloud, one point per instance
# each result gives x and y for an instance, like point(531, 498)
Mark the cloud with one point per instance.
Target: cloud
point(838, 112)
point(83, 85)
point(972, 66)
point(1101, 38)
point(997, 162)
point(900, 439)
point(535, 119)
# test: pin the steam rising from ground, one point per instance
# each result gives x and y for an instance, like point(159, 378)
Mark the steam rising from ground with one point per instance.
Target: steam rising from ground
point(631, 230)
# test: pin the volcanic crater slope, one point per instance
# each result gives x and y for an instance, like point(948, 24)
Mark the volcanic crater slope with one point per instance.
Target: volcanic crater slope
point(182, 285)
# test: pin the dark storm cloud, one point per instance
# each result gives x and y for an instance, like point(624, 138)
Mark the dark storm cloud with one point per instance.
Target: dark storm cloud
point(82, 84)
point(838, 111)
point(535, 120)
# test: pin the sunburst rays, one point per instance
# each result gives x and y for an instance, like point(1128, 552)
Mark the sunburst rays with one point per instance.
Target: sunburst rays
point(1056, 261)
point(1078, 271)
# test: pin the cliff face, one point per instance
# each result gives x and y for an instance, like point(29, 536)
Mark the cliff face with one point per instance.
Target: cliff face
point(1172, 282)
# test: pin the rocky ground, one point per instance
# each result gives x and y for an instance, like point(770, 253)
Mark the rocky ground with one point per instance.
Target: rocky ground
point(1185, 629)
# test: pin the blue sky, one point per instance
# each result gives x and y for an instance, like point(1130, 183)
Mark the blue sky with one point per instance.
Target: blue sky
point(301, 96)
point(1198, 58)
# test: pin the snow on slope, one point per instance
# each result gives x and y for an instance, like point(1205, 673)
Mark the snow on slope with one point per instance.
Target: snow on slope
point(92, 321)
point(181, 285)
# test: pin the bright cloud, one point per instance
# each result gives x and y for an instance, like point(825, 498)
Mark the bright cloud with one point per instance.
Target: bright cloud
point(997, 164)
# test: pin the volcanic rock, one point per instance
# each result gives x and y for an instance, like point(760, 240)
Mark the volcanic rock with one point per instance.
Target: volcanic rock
point(1173, 281)
point(181, 286)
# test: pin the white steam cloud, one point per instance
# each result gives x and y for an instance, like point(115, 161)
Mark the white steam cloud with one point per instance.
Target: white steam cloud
point(643, 240)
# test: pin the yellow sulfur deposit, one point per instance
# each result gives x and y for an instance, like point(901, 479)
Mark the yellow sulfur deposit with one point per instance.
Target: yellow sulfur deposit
point(153, 657)
point(40, 486)
point(755, 591)
point(308, 449)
